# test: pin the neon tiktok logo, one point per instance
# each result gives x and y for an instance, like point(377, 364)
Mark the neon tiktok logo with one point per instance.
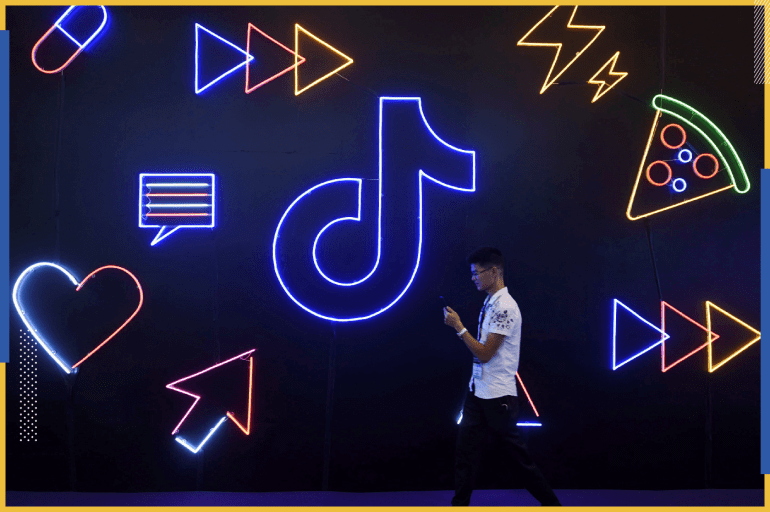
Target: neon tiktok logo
point(330, 218)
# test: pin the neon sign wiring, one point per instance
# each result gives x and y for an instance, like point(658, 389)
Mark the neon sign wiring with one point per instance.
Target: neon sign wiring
point(78, 285)
point(58, 25)
point(357, 218)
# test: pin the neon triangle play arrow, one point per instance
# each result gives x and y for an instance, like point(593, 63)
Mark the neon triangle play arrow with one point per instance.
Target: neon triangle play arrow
point(292, 56)
point(710, 339)
point(243, 357)
point(297, 30)
point(709, 306)
point(663, 335)
point(210, 36)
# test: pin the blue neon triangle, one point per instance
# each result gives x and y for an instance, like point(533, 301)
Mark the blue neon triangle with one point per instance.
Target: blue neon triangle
point(206, 36)
point(615, 363)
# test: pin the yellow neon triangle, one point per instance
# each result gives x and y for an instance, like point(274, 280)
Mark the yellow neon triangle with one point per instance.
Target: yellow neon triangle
point(297, 90)
point(713, 366)
point(658, 114)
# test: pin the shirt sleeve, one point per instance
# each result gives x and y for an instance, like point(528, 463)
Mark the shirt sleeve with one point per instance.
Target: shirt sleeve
point(503, 320)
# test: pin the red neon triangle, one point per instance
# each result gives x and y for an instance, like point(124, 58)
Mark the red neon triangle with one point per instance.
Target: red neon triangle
point(526, 393)
point(246, 430)
point(663, 306)
point(250, 89)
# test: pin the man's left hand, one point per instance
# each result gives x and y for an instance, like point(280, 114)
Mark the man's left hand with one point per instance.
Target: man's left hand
point(452, 319)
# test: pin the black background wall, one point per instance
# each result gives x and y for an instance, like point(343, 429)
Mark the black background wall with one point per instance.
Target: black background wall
point(554, 175)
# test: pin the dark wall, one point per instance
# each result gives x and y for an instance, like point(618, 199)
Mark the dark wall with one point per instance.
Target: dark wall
point(554, 176)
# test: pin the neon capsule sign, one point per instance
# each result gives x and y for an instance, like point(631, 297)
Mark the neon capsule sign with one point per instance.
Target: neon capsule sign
point(60, 25)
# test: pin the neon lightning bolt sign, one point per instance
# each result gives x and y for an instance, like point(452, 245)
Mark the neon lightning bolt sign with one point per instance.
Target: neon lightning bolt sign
point(409, 153)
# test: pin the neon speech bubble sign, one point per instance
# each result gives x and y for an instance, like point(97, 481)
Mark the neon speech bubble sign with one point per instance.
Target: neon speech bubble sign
point(177, 200)
point(46, 344)
point(68, 17)
point(401, 177)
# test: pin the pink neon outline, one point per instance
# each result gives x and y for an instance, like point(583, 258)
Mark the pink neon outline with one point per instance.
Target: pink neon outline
point(141, 301)
point(670, 174)
point(663, 305)
point(526, 393)
point(177, 215)
point(248, 50)
point(716, 166)
point(197, 397)
point(39, 42)
point(230, 415)
point(663, 140)
point(159, 194)
point(79, 50)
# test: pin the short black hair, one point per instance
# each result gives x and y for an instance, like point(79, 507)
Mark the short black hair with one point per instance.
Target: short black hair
point(487, 256)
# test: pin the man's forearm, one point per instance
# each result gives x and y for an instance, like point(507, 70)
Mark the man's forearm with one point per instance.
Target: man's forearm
point(477, 349)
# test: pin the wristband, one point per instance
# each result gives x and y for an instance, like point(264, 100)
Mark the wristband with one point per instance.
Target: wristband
point(460, 334)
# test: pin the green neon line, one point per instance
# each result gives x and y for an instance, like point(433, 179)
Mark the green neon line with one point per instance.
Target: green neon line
point(706, 122)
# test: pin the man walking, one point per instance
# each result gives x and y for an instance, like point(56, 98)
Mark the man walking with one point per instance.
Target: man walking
point(491, 405)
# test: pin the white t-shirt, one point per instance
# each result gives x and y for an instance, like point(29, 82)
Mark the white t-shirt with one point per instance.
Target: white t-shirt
point(498, 375)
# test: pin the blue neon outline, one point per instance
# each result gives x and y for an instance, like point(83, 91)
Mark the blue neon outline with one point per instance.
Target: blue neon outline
point(679, 156)
point(673, 184)
point(519, 424)
point(16, 288)
point(421, 175)
point(165, 229)
point(615, 303)
point(183, 441)
point(249, 58)
point(83, 45)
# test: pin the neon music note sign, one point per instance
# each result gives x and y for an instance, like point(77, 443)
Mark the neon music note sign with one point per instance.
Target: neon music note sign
point(409, 152)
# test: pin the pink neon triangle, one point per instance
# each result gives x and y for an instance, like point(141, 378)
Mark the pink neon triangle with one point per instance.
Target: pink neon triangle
point(248, 49)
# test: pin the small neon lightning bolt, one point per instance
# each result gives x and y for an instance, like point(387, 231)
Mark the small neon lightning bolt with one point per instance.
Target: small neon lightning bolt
point(548, 80)
point(611, 72)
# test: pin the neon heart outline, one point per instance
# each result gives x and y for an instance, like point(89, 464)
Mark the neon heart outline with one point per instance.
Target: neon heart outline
point(17, 287)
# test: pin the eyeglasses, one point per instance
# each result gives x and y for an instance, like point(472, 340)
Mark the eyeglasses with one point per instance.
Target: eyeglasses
point(477, 274)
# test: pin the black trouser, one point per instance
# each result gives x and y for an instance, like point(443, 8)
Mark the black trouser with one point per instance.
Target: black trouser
point(497, 416)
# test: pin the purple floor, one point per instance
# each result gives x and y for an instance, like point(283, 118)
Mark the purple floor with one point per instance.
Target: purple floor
point(568, 497)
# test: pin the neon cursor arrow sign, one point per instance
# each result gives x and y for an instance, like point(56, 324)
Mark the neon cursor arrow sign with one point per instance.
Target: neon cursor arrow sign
point(246, 356)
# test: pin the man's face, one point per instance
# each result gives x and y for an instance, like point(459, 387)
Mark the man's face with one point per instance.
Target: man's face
point(483, 276)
